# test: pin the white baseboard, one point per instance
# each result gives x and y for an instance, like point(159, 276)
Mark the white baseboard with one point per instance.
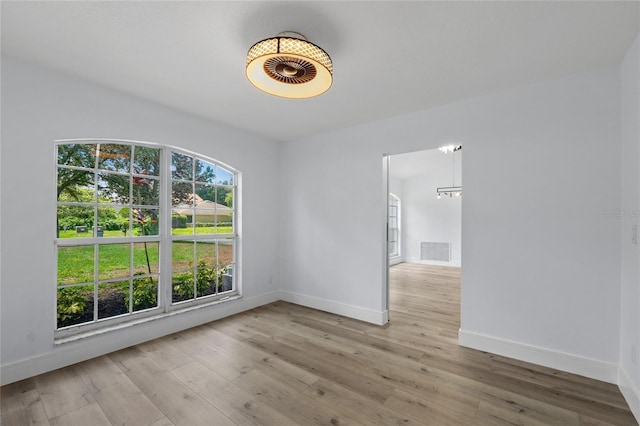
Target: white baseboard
point(456, 263)
point(89, 347)
point(356, 312)
point(395, 260)
point(587, 367)
point(630, 392)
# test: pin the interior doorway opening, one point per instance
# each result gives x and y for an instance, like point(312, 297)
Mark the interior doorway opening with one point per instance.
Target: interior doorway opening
point(424, 213)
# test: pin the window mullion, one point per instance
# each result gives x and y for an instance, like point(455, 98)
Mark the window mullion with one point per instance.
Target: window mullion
point(164, 283)
point(96, 272)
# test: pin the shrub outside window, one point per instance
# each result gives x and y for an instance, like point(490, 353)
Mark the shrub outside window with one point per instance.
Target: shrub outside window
point(141, 229)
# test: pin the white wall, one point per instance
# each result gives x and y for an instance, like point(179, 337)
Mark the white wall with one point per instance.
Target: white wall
point(40, 106)
point(630, 290)
point(427, 218)
point(542, 261)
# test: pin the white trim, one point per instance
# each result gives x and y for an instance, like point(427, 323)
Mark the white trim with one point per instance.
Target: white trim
point(351, 311)
point(630, 392)
point(455, 263)
point(395, 260)
point(100, 344)
point(587, 367)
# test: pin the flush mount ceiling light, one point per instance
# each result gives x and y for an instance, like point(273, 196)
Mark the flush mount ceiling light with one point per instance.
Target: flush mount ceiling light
point(289, 66)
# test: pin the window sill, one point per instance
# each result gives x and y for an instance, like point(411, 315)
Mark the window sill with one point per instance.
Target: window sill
point(60, 340)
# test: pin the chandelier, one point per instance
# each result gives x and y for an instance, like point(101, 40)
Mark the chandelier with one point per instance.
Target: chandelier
point(453, 189)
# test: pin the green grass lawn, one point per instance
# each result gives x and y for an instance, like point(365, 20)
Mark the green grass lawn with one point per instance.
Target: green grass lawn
point(75, 264)
point(177, 231)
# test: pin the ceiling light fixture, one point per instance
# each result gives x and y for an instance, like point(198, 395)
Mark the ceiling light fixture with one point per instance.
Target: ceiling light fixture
point(289, 66)
point(450, 148)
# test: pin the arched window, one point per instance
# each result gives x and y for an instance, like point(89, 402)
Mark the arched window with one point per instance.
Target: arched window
point(141, 230)
point(394, 226)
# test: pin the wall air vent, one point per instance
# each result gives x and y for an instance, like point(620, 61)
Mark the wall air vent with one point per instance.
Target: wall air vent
point(435, 251)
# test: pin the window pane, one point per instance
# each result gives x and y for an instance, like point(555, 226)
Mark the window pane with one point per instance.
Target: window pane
point(181, 221)
point(145, 258)
point(181, 166)
point(225, 251)
point(206, 253)
point(78, 155)
point(207, 281)
point(225, 224)
point(226, 280)
point(74, 305)
point(145, 222)
point(205, 171)
point(224, 221)
point(224, 196)
point(146, 161)
point(393, 248)
point(182, 194)
point(124, 222)
point(205, 192)
point(113, 261)
point(223, 176)
point(75, 264)
point(113, 299)
point(146, 191)
point(75, 221)
point(114, 157)
point(182, 255)
point(75, 185)
point(145, 293)
point(182, 286)
point(205, 216)
point(113, 188)
point(110, 223)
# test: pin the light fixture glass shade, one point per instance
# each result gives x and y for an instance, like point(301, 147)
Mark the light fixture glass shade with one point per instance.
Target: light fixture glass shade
point(289, 67)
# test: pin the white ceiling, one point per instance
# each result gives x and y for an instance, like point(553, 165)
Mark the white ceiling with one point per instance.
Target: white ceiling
point(405, 166)
point(390, 58)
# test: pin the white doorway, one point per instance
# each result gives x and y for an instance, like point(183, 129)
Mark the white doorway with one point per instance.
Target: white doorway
point(424, 208)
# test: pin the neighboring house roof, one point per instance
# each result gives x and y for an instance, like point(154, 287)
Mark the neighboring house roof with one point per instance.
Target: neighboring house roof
point(203, 208)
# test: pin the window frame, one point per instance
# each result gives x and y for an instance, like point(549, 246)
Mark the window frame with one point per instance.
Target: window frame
point(390, 204)
point(164, 239)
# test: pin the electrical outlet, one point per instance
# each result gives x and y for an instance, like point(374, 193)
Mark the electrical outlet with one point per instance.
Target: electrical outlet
point(634, 355)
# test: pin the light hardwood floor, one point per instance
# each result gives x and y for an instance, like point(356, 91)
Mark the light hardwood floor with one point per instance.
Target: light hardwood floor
point(283, 364)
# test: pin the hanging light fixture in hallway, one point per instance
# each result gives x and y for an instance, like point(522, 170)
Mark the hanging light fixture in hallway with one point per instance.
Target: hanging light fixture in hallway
point(452, 190)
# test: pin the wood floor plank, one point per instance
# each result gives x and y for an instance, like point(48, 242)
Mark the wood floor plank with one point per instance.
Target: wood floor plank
point(23, 408)
point(238, 405)
point(162, 422)
point(299, 407)
point(177, 401)
point(164, 352)
point(322, 367)
point(272, 366)
point(426, 412)
point(62, 391)
point(209, 353)
point(358, 407)
point(122, 402)
point(88, 415)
